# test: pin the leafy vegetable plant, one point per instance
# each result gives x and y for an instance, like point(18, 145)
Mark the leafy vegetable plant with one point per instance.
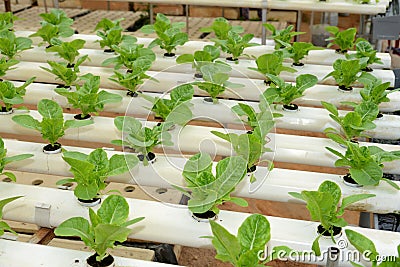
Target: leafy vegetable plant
point(221, 28)
point(347, 72)
point(3, 225)
point(11, 46)
point(142, 139)
point(106, 226)
point(177, 108)
point(298, 50)
point(323, 207)
point(243, 250)
point(91, 171)
point(52, 126)
point(215, 80)
point(208, 191)
point(344, 39)
point(271, 64)
point(365, 49)
point(87, 97)
point(365, 162)
point(110, 33)
point(367, 248)
point(281, 37)
point(69, 51)
point(4, 160)
point(286, 93)
point(169, 34)
point(55, 24)
point(67, 74)
point(11, 95)
point(7, 21)
point(6, 65)
point(375, 91)
point(354, 123)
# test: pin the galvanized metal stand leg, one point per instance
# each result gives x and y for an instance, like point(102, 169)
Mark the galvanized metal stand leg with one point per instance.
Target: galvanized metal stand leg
point(187, 18)
point(108, 5)
point(151, 14)
point(365, 220)
point(362, 26)
point(264, 20)
point(333, 257)
point(55, 4)
point(7, 5)
point(298, 25)
point(311, 24)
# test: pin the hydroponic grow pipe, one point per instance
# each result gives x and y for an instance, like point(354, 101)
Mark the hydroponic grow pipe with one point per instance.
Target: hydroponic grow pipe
point(172, 223)
point(192, 139)
point(307, 119)
point(167, 170)
point(47, 256)
point(318, 57)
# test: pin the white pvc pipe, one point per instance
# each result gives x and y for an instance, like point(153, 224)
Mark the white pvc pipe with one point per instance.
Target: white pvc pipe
point(47, 256)
point(307, 119)
point(173, 224)
point(167, 171)
point(318, 57)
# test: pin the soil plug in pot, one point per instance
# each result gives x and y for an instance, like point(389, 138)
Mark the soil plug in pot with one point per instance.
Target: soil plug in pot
point(91, 171)
point(52, 127)
point(11, 95)
point(206, 191)
point(106, 227)
point(142, 139)
point(323, 207)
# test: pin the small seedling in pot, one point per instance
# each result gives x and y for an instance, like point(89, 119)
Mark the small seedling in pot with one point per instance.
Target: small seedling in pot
point(106, 227)
point(6, 65)
point(364, 163)
point(271, 64)
point(142, 139)
point(91, 171)
point(68, 75)
point(354, 123)
point(344, 39)
point(221, 28)
point(11, 95)
point(177, 108)
point(55, 25)
point(347, 72)
point(298, 50)
point(200, 58)
point(284, 93)
point(69, 51)
point(281, 37)
point(4, 160)
point(215, 81)
point(169, 34)
point(323, 207)
point(7, 21)
point(87, 98)
point(367, 248)
point(110, 32)
point(365, 49)
point(52, 127)
point(208, 191)
point(244, 249)
point(11, 45)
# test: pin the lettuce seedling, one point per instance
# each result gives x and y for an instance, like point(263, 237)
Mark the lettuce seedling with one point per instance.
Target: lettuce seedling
point(298, 50)
point(286, 93)
point(142, 139)
point(11, 46)
point(67, 74)
point(344, 39)
point(106, 227)
point(3, 225)
point(323, 207)
point(4, 160)
point(110, 32)
point(347, 72)
point(11, 95)
point(177, 108)
point(128, 54)
point(69, 51)
point(208, 191)
point(364, 163)
point(200, 58)
point(367, 248)
point(55, 24)
point(7, 21)
point(215, 82)
point(375, 91)
point(243, 250)
point(6, 65)
point(52, 127)
point(354, 123)
point(221, 28)
point(87, 98)
point(281, 37)
point(365, 49)
point(169, 34)
point(91, 171)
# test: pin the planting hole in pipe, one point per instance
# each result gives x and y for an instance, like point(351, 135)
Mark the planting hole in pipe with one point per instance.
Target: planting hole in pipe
point(151, 157)
point(161, 191)
point(50, 149)
point(89, 202)
point(4, 111)
point(349, 181)
point(6, 180)
point(205, 217)
point(344, 89)
point(291, 107)
point(65, 186)
point(337, 231)
point(106, 262)
point(37, 182)
point(129, 189)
